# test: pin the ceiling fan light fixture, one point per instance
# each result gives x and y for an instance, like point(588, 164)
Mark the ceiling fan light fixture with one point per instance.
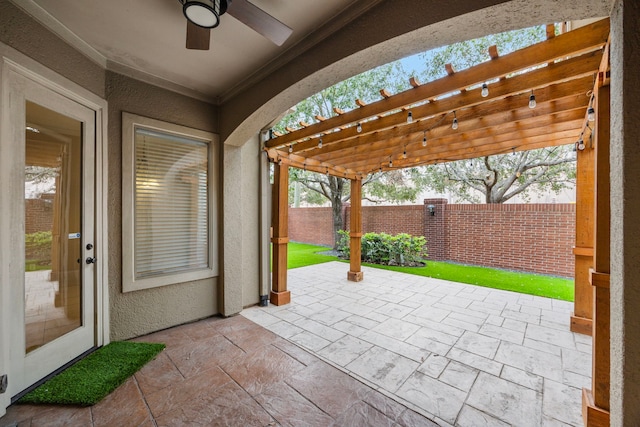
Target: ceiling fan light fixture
point(204, 13)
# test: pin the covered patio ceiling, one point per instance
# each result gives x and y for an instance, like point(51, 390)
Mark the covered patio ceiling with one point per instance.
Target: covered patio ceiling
point(380, 136)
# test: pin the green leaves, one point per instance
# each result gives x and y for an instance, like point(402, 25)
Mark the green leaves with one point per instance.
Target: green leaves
point(384, 249)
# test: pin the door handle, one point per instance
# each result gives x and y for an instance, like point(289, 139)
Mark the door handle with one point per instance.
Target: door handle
point(90, 260)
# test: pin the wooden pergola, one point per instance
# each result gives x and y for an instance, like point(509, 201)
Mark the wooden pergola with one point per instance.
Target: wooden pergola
point(568, 74)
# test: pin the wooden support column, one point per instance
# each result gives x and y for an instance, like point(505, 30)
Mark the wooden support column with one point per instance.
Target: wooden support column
point(595, 402)
point(280, 222)
point(581, 318)
point(355, 232)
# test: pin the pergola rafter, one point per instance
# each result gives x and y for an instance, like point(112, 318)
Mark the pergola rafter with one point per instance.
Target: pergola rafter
point(560, 71)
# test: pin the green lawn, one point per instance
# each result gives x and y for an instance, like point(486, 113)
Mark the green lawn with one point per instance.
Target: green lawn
point(301, 255)
point(526, 283)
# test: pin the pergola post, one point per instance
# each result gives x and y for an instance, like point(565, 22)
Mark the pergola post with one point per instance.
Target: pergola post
point(595, 402)
point(355, 232)
point(280, 222)
point(581, 318)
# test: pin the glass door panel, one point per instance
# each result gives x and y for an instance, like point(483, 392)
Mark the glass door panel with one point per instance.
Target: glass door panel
point(53, 224)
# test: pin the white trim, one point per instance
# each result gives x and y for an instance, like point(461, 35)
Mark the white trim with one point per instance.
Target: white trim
point(129, 281)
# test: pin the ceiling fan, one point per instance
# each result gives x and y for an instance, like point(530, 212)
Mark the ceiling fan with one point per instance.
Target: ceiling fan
point(203, 15)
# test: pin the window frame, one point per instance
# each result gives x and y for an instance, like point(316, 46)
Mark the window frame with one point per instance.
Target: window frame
point(131, 122)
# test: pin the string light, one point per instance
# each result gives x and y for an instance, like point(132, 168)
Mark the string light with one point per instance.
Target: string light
point(485, 90)
point(409, 117)
point(320, 143)
point(591, 114)
point(291, 148)
point(327, 172)
point(580, 144)
point(404, 153)
point(532, 100)
point(359, 128)
point(424, 139)
point(390, 162)
point(454, 124)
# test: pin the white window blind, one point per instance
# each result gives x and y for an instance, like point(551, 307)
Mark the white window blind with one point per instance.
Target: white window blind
point(171, 207)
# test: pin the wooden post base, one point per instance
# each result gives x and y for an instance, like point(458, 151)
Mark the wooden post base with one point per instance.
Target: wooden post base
point(280, 298)
point(591, 414)
point(581, 325)
point(355, 276)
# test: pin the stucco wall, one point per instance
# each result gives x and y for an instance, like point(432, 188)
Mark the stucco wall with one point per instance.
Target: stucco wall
point(625, 205)
point(27, 36)
point(140, 312)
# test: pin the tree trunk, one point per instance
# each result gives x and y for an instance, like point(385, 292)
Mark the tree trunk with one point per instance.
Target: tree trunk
point(338, 221)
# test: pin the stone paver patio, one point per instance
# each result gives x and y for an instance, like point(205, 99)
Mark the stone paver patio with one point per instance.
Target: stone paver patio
point(459, 354)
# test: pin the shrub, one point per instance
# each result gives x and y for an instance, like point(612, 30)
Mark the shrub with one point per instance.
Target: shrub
point(38, 248)
point(381, 248)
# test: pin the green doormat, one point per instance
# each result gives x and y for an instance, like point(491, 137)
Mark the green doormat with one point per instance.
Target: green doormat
point(89, 380)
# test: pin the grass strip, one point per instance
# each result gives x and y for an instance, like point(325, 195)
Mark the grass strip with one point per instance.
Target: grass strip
point(89, 380)
point(300, 255)
point(524, 283)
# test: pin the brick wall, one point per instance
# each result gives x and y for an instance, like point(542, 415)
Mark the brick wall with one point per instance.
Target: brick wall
point(390, 219)
point(311, 225)
point(528, 237)
point(38, 214)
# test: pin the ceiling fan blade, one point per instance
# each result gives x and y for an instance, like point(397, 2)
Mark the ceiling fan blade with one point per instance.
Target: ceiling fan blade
point(197, 37)
point(260, 21)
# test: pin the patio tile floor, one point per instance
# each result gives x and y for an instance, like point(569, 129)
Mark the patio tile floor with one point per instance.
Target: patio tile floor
point(393, 350)
point(232, 372)
point(459, 354)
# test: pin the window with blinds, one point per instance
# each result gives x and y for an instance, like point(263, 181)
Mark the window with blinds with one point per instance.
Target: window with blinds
point(169, 204)
point(171, 208)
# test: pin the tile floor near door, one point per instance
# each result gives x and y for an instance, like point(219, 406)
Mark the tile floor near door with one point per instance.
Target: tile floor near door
point(229, 372)
point(461, 355)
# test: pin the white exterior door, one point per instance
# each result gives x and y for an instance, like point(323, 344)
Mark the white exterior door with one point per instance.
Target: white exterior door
point(51, 186)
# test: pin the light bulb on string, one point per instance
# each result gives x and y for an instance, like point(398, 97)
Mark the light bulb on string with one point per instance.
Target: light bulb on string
point(320, 143)
point(409, 117)
point(424, 139)
point(591, 114)
point(532, 100)
point(404, 153)
point(485, 90)
point(291, 148)
point(390, 162)
point(359, 128)
point(327, 171)
point(454, 124)
point(580, 144)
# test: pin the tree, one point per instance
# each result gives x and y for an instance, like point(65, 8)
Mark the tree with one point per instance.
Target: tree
point(502, 177)
point(394, 186)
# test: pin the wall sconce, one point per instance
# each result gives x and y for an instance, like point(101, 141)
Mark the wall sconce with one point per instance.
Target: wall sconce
point(432, 210)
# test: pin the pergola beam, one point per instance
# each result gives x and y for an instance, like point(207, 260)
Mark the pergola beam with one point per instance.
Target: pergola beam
point(584, 39)
point(468, 120)
point(579, 70)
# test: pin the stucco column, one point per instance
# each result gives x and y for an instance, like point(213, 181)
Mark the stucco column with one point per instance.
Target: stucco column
point(355, 232)
point(230, 291)
point(625, 213)
point(280, 221)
